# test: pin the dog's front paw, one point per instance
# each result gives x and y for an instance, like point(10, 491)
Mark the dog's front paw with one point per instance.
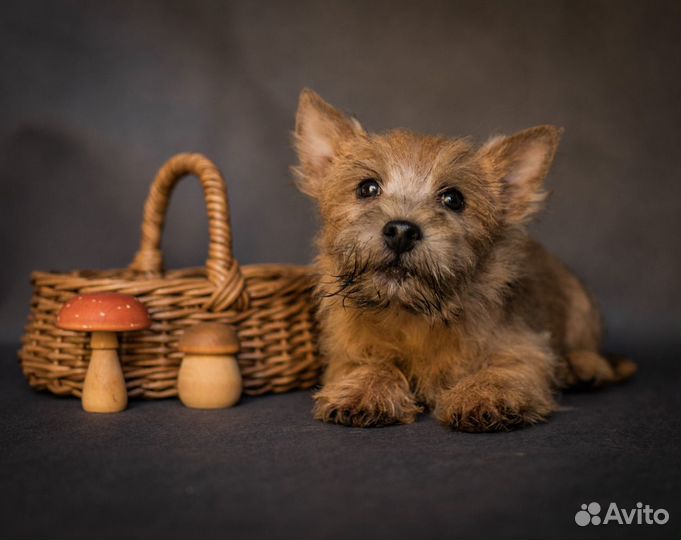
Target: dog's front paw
point(353, 402)
point(478, 407)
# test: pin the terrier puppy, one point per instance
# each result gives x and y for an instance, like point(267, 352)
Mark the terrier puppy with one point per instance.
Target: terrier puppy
point(431, 293)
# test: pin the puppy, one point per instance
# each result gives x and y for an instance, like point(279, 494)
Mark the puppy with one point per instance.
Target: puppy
point(431, 294)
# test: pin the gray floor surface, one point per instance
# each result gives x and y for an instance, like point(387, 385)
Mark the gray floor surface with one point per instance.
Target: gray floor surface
point(266, 469)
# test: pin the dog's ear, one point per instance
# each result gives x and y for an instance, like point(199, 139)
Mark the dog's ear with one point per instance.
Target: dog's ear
point(521, 162)
point(320, 128)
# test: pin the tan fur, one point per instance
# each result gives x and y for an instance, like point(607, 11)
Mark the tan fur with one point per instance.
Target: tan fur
point(477, 323)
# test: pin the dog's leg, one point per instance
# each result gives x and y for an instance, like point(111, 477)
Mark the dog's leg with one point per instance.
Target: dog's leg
point(366, 395)
point(514, 388)
point(590, 369)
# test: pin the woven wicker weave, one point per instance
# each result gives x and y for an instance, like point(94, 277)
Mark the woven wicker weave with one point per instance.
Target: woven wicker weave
point(269, 305)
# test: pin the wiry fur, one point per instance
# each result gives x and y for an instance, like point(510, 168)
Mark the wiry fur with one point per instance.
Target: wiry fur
point(477, 323)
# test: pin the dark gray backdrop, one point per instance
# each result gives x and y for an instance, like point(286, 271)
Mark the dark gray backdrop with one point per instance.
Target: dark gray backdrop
point(94, 96)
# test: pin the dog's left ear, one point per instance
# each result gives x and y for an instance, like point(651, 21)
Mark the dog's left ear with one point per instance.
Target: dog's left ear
point(320, 129)
point(521, 162)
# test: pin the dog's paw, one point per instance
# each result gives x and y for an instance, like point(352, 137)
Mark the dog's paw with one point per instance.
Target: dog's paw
point(350, 403)
point(588, 369)
point(477, 407)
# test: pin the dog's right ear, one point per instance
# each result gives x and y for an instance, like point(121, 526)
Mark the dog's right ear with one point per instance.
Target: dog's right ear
point(320, 129)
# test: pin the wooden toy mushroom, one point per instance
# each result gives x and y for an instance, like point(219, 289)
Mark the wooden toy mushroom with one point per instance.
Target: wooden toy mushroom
point(209, 376)
point(104, 314)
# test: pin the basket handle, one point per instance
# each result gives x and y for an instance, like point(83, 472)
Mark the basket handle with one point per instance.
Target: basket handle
point(221, 268)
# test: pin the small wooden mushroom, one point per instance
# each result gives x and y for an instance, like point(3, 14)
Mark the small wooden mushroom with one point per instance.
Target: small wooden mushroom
point(209, 376)
point(104, 314)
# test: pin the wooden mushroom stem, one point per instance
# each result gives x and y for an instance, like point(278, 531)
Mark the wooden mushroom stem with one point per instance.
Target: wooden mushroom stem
point(104, 388)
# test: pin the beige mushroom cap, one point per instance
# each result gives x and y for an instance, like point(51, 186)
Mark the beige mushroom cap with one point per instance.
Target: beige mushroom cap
point(105, 312)
point(209, 338)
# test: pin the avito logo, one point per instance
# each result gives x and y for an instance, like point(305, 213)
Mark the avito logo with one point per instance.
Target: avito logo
point(641, 515)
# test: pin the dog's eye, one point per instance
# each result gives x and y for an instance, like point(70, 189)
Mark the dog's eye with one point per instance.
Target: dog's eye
point(368, 188)
point(453, 199)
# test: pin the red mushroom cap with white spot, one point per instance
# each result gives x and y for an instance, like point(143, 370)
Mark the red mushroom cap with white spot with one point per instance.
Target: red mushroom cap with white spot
point(105, 312)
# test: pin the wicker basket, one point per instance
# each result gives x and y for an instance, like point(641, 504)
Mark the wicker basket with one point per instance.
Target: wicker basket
point(270, 306)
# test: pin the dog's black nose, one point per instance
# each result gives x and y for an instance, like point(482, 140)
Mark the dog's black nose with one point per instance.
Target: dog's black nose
point(401, 236)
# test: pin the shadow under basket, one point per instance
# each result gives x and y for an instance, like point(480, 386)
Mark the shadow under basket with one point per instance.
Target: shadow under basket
point(270, 306)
